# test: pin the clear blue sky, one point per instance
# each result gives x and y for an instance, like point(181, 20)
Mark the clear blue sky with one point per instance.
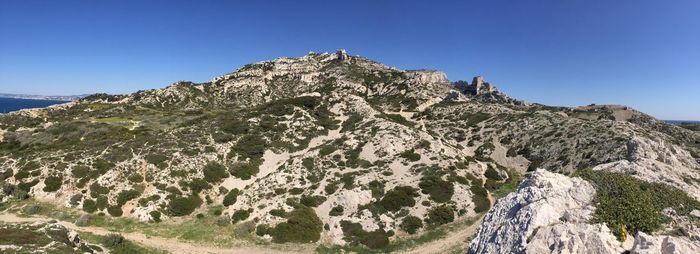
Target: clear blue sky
point(645, 54)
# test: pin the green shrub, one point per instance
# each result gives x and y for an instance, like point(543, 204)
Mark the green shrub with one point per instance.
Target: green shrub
point(32, 209)
point(156, 159)
point(623, 201)
point(331, 188)
point(492, 174)
point(135, 178)
point(263, 229)
point(80, 171)
point(214, 172)
point(336, 211)
point(127, 195)
point(53, 183)
point(249, 147)
point(181, 206)
point(400, 196)
point(399, 119)
point(235, 127)
point(302, 226)
point(480, 197)
point(197, 185)
point(411, 224)
point(351, 123)
point(113, 240)
point(27, 186)
point(439, 190)
point(440, 215)
point(410, 155)
point(101, 202)
point(240, 215)
point(155, 216)
point(326, 150)
point(89, 206)
point(312, 201)
point(115, 211)
point(278, 213)
point(296, 191)
point(244, 170)
point(231, 197)
point(354, 234)
point(96, 190)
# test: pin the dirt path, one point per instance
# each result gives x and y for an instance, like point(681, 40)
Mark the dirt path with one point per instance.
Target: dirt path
point(166, 244)
point(454, 240)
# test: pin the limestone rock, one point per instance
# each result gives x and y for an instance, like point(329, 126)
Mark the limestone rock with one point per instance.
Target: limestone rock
point(548, 213)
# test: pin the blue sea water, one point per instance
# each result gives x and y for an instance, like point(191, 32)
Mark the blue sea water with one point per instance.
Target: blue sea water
point(681, 121)
point(12, 104)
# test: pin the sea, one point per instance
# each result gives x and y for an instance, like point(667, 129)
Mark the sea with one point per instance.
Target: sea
point(11, 104)
point(681, 121)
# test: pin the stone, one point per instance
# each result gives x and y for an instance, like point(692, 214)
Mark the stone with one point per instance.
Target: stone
point(548, 213)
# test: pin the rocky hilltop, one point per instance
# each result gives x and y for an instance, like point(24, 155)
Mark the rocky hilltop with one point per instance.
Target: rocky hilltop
point(342, 152)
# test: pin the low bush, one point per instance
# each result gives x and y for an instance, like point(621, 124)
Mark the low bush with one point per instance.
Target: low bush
point(126, 195)
point(214, 172)
point(354, 234)
point(625, 202)
point(197, 185)
point(235, 127)
point(113, 240)
point(27, 186)
point(32, 209)
point(440, 215)
point(480, 197)
point(336, 211)
point(244, 170)
point(249, 147)
point(115, 211)
point(89, 206)
point(411, 224)
point(410, 155)
point(52, 183)
point(302, 226)
point(135, 178)
point(181, 206)
point(312, 201)
point(439, 190)
point(400, 196)
point(492, 174)
point(263, 229)
point(231, 197)
point(155, 216)
point(156, 159)
point(240, 215)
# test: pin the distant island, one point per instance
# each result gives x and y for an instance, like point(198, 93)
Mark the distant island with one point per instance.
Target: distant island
point(42, 97)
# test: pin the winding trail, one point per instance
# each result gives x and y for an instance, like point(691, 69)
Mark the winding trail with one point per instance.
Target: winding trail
point(454, 240)
point(166, 244)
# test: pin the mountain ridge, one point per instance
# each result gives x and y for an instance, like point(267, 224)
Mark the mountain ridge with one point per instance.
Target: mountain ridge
point(327, 148)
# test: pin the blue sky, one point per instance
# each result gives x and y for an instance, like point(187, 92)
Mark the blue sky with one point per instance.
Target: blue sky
point(645, 54)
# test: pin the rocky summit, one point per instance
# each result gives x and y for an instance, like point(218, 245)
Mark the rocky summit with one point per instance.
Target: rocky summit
point(331, 152)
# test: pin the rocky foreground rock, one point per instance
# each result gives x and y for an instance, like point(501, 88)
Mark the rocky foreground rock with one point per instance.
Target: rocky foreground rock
point(551, 213)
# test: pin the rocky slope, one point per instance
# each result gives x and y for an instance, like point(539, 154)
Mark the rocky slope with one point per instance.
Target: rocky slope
point(327, 148)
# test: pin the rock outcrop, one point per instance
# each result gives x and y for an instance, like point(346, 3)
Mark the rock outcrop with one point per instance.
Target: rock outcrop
point(547, 214)
point(484, 90)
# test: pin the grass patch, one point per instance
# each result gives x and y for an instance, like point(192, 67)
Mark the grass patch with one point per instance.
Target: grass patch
point(626, 203)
